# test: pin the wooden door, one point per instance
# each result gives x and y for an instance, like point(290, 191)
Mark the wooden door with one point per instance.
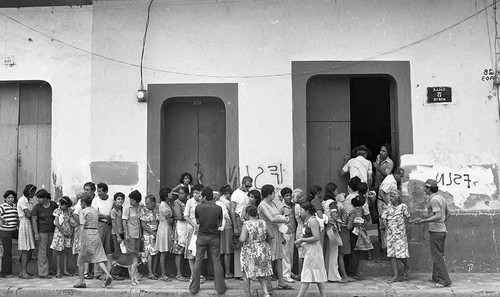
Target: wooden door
point(193, 140)
point(328, 129)
point(25, 127)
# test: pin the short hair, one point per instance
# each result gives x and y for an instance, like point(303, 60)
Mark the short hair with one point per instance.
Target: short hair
point(164, 193)
point(42, 193)
point(29, 190)
point(267, 190)
point(396, 193)
point(354, 183)
point(65, 201)
point(247, 179)
point(251, 211)
point(119, 194)
point(330, 189)
point(87, 198)
point(151, 198)
point(256, 195)
point(103, 186)
point(362, 188)
point(226, 189)
point(89, 184)
point(387, 147)
point(181, 179)
point(208, 193)
point(10, 192)
point(135, 195)
point(399, 171)
point(307, 206)
point(297, 192)
point(313, 191)
point(197, 187)
point(434, 189)
point(185, 189)
point(358, 201)
point(285, 190)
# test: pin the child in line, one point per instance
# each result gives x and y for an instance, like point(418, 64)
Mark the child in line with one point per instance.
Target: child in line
point(256, 252)
point(61, 242)
point(149, 216)
point(397, 243)
point(117, 232)
point(356, 225)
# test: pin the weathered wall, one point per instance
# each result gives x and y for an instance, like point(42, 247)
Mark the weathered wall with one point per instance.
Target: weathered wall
point(67, 70)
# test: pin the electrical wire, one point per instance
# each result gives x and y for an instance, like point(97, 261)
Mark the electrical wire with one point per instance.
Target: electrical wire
point(144, 41)
point(252, 76)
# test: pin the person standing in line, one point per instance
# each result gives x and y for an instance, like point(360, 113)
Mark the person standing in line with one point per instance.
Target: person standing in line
point(189, 216)
point(389, 184)
point(88, 187)
point(226, 240)
point(61, 241)
point(209, 216)
point(149, 216)
point(132, 223)
point(437, 232)
point(331, 247)
point(9, 222)
point(289, 236)
point(298, 197)
point(165, 232)
point(397, 243)
point(255, 253)
point(313, 270)
point(358, 166)
point(26, 239)
point(239, 201)
point(181, 228)
point(42, 219)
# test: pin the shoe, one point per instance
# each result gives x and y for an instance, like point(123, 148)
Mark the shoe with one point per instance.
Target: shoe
point(273, 278)
point(25, 276)
point(80, 286)
point(45, 276)
point(107, 281)
point(165, 278)
point(6, 275)
point(229, 275)
point(88, 276)
point(285, 287)
point(288, 279)
point(117, 277)
point(152, 277)
point(181, 278)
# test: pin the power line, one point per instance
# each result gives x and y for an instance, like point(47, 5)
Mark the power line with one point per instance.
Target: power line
point(251, 76)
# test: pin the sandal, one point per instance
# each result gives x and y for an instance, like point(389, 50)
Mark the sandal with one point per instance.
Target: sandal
point(80, 286)
point(88, 276)
point(58, 276)
point(285, 287)
point(25, 276)
point(406, 275)
point(181, 278)
point(393, 280)
point(153, 277)
point(165, 278)
point(107, 281)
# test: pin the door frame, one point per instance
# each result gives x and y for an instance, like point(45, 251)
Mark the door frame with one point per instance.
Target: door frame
point(159, 93)
point(401, 120)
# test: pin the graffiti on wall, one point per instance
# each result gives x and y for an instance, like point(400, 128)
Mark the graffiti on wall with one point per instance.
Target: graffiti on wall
point(261, 174)
point(471, 187)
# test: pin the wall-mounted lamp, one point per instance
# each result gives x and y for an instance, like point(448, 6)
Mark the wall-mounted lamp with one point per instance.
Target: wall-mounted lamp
point(142, 95)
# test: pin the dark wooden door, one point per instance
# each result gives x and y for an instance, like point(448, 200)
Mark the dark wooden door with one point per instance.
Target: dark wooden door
point(328, 129)
point(25, 125)
point(194, 141)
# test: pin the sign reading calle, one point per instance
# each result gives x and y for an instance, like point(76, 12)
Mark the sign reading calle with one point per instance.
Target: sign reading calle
point(438, 94)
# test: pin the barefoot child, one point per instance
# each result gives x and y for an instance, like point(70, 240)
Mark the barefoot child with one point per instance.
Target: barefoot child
point(397, 243)
point(61, 242)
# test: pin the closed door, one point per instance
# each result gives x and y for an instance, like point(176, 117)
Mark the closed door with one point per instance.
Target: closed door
point(193, 141)
point(25, 127)
point(328, 129)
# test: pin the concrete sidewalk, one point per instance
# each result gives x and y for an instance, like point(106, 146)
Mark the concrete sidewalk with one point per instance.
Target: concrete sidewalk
point(463, 285)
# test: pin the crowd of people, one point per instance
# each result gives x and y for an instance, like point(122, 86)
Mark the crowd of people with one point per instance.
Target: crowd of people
point(248, 234)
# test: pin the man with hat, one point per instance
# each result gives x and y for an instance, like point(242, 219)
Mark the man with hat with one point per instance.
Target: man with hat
point(437, 232)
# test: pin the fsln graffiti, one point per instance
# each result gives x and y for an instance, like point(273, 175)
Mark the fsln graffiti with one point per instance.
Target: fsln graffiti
point(453, 179)
point(261, 174)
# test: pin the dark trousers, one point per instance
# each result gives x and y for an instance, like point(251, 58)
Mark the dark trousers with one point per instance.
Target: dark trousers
point(439, 270)
point(352, 262)
point(212, 244)
point(6, 238)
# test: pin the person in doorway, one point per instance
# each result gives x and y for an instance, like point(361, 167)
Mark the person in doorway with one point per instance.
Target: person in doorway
point(438, 209)
point(269, 212)
point(90, 247)
point(383, 165)
point(26, 239)
point(358, 166)
point(389, 184)
point(8, 229)
point(42, 219)
point(255, 253)
point(209, 216)
point(313, 270)
point(239, 201)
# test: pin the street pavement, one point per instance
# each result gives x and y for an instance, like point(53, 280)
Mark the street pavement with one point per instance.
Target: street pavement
point(464, 284)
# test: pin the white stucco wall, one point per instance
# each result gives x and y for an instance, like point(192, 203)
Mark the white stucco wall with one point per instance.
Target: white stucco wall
point(231, 42)
point(68, 73)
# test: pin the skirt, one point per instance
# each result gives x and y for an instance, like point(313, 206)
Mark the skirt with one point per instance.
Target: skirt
point(92, 250)
point(226, 241)
point(179, 240)
point(26, 240)
point(313, 269)
point(189, 254)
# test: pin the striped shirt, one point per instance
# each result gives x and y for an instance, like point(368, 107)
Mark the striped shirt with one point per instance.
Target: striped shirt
point(10, 218)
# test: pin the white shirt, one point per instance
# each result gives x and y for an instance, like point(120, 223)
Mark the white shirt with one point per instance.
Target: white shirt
point(389, 184)
point(103, 206)
point(359, 167)
point(241, 199)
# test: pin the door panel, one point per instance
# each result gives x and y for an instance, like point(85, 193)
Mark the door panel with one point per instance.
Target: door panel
point(328, 99)
point(9, 113)
point(212, 148)
point(179, 144)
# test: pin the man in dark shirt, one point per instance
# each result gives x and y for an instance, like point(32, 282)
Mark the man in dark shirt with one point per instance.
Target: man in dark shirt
point(209, 217)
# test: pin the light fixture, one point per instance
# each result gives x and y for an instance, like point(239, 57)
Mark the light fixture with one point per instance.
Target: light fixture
point(142, 95)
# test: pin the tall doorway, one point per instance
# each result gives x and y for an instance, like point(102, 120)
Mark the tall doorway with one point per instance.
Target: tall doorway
point(25, 127)
point(193, 140)
point(344, 112)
